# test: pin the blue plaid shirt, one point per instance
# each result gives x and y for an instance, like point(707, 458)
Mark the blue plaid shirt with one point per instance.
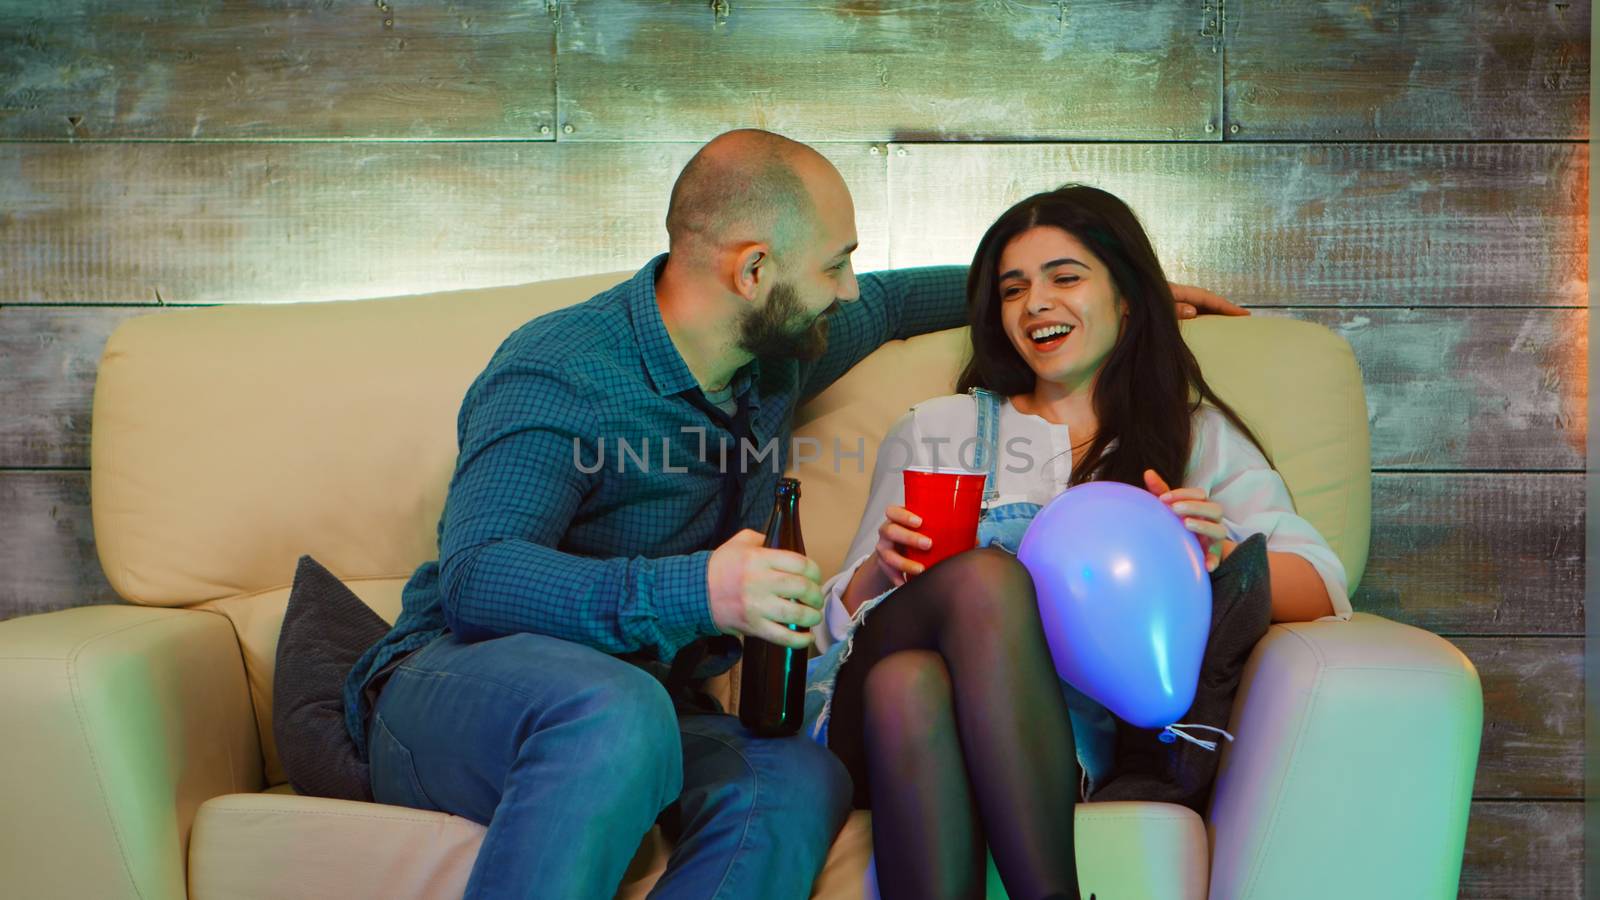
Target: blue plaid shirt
point(562, 517)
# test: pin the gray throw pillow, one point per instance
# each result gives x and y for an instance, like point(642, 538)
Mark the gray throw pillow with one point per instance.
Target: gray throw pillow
point(325, 630)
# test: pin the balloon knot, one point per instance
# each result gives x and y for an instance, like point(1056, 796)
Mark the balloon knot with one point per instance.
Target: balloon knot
point(1172, 732)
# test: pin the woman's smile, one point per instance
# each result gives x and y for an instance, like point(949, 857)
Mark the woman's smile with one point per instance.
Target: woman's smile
point(1047, 336)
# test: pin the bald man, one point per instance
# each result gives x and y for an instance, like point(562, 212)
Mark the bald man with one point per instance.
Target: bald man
point(545, 677)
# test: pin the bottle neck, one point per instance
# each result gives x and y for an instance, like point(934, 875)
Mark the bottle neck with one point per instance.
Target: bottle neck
point(783, 529)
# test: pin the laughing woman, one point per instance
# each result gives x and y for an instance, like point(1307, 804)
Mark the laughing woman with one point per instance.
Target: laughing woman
point(937, 689)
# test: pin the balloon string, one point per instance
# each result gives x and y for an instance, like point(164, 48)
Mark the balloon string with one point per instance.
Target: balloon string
point(1171, 733)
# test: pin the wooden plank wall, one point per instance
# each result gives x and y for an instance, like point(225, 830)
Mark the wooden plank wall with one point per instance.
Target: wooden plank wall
point(1411, 175)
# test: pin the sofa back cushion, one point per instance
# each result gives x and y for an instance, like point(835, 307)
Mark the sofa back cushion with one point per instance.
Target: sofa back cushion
point(229, 441)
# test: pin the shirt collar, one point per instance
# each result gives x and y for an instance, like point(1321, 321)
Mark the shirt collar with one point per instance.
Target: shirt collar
point(662, 361)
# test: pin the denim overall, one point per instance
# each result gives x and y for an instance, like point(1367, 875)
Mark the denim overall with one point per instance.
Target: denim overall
point(1000, 525)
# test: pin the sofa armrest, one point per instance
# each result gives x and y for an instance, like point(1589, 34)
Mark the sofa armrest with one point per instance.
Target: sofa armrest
point(119, 722)
point(1352, 766)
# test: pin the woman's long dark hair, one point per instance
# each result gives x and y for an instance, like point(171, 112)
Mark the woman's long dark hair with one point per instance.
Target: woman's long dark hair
point(1150, 385)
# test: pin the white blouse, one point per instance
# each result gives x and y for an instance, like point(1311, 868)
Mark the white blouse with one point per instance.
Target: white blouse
point(1035, 465)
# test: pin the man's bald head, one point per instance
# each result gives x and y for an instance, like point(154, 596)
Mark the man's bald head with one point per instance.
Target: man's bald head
point(747, 186)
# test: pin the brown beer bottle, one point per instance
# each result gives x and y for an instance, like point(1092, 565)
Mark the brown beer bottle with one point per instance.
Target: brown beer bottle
point(772, 688)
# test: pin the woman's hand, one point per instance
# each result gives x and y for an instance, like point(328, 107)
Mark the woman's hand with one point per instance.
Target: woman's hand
point(1192, 301)
point(1200, 515)
point(899, 530)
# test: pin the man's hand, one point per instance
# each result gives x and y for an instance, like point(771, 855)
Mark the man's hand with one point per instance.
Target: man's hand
point(1193, 301)
point(757, 591)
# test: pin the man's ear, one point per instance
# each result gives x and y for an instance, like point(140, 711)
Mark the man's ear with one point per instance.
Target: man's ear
point(752, 267)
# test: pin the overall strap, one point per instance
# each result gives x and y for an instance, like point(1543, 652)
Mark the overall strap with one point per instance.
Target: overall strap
point(988, 455)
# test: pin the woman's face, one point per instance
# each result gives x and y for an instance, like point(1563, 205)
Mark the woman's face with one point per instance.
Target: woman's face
point(1059, 305)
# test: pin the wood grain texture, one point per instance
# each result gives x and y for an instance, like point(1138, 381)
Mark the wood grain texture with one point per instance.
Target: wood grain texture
point(232, 223)
point(1410, 225)
point(1298, 225)
point(1435, 69)
point(1520, 850)
point(245, 69)
point(1473, 388)
point(47, 544)
point(1532, 716)
point(1477, 553)
point(891, 70)
point(49, 357)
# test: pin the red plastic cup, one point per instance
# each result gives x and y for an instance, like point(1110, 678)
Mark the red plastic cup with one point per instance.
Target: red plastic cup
point(949, 502)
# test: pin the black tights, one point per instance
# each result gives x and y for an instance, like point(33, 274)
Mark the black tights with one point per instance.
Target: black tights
point(950, 719)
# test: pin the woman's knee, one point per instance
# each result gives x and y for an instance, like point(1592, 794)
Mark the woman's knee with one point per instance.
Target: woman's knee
point(909, 691)
point(995, 593)
point(991, 565)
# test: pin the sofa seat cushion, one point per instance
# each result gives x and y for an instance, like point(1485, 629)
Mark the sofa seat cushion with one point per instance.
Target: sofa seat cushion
point(278, 844)
point(285, 845)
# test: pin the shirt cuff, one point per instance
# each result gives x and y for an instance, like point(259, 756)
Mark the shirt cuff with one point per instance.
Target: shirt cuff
point(682, 599)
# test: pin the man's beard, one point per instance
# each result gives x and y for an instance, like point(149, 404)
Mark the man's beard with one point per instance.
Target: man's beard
point(766, 332)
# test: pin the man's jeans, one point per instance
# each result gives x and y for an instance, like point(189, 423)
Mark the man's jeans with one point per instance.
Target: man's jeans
point(569, 755)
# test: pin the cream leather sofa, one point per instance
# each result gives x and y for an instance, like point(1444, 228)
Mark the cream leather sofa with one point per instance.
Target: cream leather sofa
point(139, 759)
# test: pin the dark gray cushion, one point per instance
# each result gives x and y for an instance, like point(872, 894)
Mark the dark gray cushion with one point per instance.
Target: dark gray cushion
point(1180, 772)
point(325, 629)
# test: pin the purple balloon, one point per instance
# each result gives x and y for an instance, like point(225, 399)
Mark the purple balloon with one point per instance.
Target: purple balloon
point(1124, 598)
